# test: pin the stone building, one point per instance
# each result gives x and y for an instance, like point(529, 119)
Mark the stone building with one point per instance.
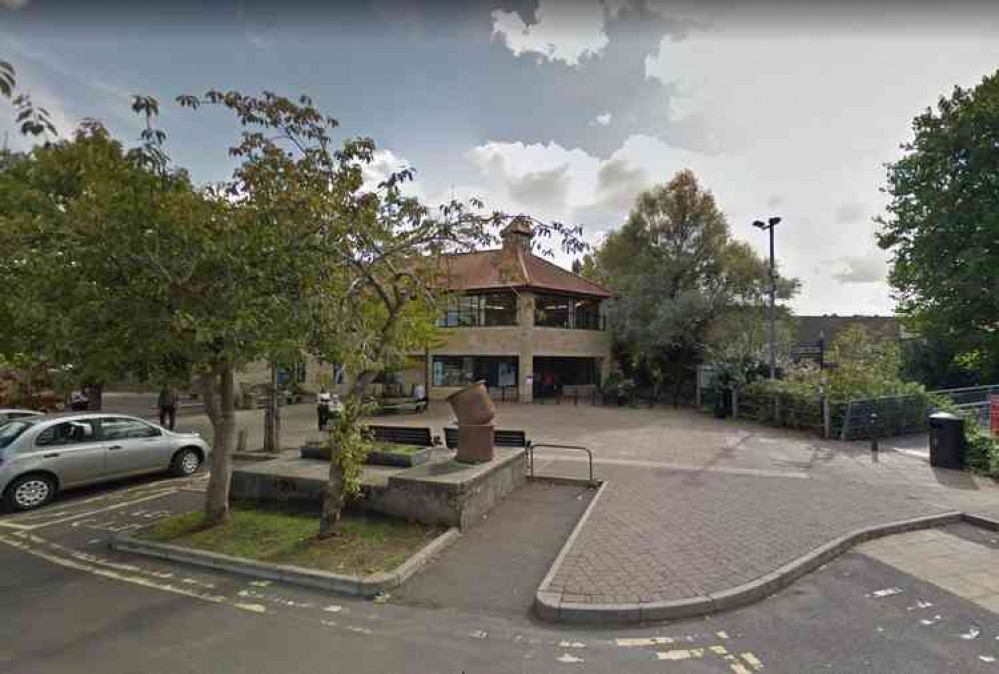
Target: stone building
point(521, 323)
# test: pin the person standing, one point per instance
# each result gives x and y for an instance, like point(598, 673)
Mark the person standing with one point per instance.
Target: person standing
point(323, 408)
point(167, 402)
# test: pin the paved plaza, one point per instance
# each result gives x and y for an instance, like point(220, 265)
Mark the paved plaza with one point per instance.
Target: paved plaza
point(693, 505)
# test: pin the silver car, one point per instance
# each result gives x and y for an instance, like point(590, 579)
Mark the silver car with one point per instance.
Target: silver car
point(41, 455)
point(8, 413)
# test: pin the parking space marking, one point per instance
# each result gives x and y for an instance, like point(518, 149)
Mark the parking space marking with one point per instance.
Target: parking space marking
point(88, 513)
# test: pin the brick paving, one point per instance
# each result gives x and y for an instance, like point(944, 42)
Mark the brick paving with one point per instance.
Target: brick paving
point(658, 535)
point(695, 504)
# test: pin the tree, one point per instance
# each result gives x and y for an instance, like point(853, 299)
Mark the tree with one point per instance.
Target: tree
point(54, 307)
point(942, 224)
point(34, 120)
point(675, 270)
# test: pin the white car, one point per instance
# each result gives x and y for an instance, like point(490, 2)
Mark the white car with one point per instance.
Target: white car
point(8, 413)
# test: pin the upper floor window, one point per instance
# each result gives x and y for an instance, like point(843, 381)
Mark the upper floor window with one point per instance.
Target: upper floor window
point(559, 311)
point(477, 310)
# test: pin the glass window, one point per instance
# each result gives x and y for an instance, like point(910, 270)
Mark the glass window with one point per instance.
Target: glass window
point(11, 430)
point(453, 370)
point(116, 428)
point(499, 309)
point(68, 433)
point(463, 370)
point(587, 314)
point(553, 311)
point(468, 311)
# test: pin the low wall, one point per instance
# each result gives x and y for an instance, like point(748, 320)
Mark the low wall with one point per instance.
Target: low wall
point(447, 493)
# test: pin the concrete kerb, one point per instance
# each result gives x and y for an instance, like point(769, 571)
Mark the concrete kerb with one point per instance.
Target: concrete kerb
point(357, 586)
point(549, 606)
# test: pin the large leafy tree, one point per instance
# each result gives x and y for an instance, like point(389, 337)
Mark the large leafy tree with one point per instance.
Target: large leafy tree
point(942, 224)
point(366, 256)
point(675, 270)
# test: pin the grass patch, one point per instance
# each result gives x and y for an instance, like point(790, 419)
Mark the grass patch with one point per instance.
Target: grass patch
point(394, 448)
point(369, 543)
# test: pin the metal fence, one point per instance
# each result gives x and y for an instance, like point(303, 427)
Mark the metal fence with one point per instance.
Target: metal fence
point(973, 401)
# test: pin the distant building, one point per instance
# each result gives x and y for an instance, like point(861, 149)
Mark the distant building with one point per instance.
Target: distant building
point(524, 325)
point(517, 321)
point(816, 334)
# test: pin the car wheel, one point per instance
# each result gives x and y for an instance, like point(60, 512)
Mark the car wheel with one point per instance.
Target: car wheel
point(30, 491)
point(185, 462)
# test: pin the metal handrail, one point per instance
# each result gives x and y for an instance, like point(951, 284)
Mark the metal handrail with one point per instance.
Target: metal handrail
point(532, 446)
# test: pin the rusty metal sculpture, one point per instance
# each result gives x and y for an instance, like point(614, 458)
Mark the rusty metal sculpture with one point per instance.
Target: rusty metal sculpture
point(474, 410)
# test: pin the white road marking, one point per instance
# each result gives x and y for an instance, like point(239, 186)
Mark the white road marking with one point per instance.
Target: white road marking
point(91, 513)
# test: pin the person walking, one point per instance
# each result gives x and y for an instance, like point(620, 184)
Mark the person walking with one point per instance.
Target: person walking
point(323, 408)
point(167, 402)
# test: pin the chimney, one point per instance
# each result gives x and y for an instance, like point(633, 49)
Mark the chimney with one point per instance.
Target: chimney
point(517, 234)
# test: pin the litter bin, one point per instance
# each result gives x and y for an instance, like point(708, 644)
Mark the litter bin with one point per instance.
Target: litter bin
point(946, 440)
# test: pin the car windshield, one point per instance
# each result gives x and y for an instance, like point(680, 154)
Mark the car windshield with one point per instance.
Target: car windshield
point(10, 431)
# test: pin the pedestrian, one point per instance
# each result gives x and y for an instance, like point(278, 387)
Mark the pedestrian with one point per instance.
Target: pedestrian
point(323, 408)
point(167, 402)
point(420, 394)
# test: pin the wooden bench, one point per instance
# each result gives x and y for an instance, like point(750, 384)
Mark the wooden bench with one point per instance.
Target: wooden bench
point(501, 438)
point(402, 435)
point(396, 405)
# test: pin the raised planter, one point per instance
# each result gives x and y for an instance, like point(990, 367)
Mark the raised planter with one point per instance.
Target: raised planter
point(363, 586)
point(404, 459)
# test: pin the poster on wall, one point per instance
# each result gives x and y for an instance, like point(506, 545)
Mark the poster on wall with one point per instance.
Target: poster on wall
point(507, 375)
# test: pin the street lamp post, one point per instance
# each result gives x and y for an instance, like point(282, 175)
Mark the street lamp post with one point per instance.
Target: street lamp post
point(769, 226)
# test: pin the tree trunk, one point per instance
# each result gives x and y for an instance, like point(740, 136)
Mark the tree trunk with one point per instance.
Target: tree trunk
point(95, 396)
point(272, 417)
point(333, 500)
point(223, 418)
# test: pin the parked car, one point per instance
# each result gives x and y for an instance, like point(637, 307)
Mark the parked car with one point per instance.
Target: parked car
point(42, 455)
point(8, 413)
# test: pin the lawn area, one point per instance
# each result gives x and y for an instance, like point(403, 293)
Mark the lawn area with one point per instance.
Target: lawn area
point(394, 448)
point(369, 543)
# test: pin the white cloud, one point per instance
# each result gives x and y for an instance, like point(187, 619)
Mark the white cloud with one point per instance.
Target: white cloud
point(384, 164)
point(566, 30)
point(603, 119)
point(870, 268)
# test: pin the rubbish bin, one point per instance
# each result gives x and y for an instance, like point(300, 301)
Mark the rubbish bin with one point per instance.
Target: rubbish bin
point(946, 440)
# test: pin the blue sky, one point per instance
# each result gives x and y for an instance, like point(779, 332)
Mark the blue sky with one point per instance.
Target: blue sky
point(562, 109)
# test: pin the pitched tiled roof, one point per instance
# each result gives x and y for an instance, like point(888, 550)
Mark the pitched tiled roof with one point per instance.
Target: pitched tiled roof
point(513, 267)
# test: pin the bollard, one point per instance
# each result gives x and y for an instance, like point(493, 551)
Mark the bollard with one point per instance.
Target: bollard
point(874, 432)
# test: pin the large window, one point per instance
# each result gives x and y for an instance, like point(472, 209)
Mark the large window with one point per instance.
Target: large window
point(553, 311)
point(463, 370)
point(587, 314)
point(487, 309)
point(559, 311)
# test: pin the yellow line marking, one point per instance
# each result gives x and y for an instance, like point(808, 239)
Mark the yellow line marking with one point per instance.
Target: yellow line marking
point(739, 668)
point(91, 513)
point(107, 573)
point(680, 654)
point(718, 650)
point(650, 641)
point(753, 661)
point(722, 635)
point(252, 608)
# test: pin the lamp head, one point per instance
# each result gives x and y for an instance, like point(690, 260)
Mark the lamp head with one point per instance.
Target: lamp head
point(759, 224)
point(773, 221)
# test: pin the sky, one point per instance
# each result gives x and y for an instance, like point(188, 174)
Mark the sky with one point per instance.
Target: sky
point(564, 110)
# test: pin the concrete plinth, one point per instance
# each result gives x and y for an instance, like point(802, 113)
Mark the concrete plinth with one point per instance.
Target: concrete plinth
point(441, 492)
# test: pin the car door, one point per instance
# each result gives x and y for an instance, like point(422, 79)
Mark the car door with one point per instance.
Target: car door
point(73, 450)
point(133, 446)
